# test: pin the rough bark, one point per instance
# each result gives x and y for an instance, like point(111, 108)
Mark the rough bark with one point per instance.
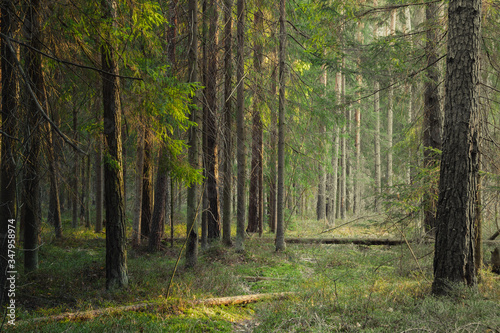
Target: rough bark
point(86, 193)
point(454, 262)
point(74, 175)
point(432, 114)
point(31, 190)
point(376, 110)
point(161, 189)
point(205, 111)
point(256, 187)
point(240, 126)
point(9, 115)
point(321, 202)
point(332, 188)
point(139, 163)
point(210, 127)
point(357, 141)
point(390, 109)
point(98, 185)
point(273, 144)
point(343, 155)
point(193, 141)
point(116, 253)
point(54, 215)
point(378, 175)
point(147, 184)
point(228, 115)
point(280, 223)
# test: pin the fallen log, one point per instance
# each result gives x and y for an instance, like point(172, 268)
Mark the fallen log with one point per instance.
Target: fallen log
point(243, 299)
point(495, 235)
point(232, 300)
point(362, 241)
point(89, 314)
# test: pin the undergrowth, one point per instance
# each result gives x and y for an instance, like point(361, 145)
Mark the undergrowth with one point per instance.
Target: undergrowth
point(339, 288)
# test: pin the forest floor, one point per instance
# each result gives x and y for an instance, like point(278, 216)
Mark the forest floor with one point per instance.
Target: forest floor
point(337, 288)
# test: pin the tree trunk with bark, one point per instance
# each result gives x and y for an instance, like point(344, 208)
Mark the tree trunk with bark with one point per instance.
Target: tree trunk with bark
point(228, 115)
point(31, 190)
point(161, 189)
point(343, 155)
point(321, 202)
point(273, 144)
point(240, 126)
point(280, 225)
point(136, 229)
point(357, 141)
point(210, 127)
point(116, 253)
point(378, 175)
point(98, 185)
point(454, 258)
point(432, 114)
point(74, 176)
point(147, 183)
point(193, 141)
point(54, 215)
point(8, 208)
point(390, 109)
point(256, 187)
point(376, 110)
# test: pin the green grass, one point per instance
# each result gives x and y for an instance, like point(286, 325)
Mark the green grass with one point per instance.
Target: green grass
point(340, 288)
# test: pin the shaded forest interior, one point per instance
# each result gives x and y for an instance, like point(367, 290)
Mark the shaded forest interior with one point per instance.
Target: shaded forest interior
point(203, 132)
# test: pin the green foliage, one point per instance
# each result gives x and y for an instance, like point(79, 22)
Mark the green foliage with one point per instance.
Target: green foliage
point(111, 162)
point(340, 288)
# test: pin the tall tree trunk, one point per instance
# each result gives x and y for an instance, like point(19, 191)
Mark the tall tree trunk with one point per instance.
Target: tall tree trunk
point(411, 105)
point(323, 197)
point(273, 144)
point(378, 176)
point(74, 176)
point(98, 185)
point(172, 206)
point(84, 207)
point(390, 109)
point(256, 186)
point(147, 183)
point(116, 253)
point(343, 157)
point(205, 111)
point(161, 189)
point(31, 194)
point(432, 113)
point(54, 215)
point(124, 159)
point(210, 127)
point(454, 256)
point(193, 141)
point(332, 188)
point(240, 125)
point(280, 225)
point(357, 141)
point(321, 203)
point(8, 208)
point(376, 110)
point(228, 115)
point(171, 47)
point(136, 230)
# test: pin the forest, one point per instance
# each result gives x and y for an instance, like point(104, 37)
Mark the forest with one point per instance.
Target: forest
point(250, 166)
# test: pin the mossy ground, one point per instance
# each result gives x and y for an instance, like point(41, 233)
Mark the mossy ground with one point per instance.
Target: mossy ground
point(340, 288)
